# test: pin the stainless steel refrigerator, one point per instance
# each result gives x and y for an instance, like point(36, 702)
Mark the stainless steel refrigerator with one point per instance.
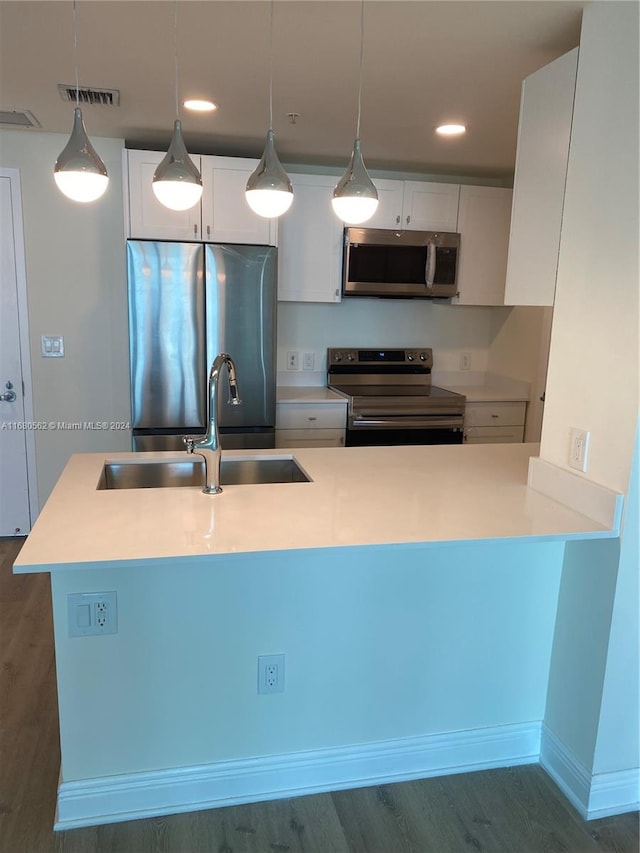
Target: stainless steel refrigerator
point(187, 303)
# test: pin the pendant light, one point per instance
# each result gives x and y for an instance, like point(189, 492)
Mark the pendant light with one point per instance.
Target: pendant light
point(269, 192)
point(355, 197)
point(79, 172)
point(176, 182)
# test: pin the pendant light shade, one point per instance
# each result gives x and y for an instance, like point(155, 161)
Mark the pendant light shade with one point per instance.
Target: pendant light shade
point(355, 197)
point(176, 182)
point(269, 191)
point(79, 172)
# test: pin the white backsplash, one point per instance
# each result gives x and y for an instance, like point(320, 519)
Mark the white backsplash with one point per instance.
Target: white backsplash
point(449, 330)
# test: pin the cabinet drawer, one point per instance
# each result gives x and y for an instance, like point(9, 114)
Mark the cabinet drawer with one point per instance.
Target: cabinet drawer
point(494, 435)
point(310, 438)
point(494, 414)
point(311, 415)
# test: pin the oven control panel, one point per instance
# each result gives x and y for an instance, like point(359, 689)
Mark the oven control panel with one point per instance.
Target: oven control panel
point(380, 357)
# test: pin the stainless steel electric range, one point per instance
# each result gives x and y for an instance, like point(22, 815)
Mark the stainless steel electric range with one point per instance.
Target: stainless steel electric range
point(391, 398)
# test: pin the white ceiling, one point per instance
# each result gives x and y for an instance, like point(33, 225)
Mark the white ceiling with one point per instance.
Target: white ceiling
point(425, 62)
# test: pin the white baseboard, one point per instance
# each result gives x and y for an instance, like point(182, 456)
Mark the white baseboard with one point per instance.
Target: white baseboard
point(584, 496)
point(570, 776)
point(614, 793)
point(138, 795)
point(600, 795)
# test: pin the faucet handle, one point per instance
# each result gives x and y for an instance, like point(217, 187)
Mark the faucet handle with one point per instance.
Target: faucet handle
point(189, 441)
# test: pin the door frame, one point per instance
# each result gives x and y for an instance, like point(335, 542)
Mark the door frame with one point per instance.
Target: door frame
point(23, 334)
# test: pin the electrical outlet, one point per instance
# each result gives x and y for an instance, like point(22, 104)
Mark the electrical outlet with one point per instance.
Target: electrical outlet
point(465, 361)
point(92, 613)
point(579, 449)
point(292, 361)
point(308, 361)
point(271, 674)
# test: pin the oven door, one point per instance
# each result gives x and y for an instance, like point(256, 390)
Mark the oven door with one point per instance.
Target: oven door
point(366, 431)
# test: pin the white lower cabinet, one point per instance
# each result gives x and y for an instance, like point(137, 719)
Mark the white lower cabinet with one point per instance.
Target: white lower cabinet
point(494, 423)
point(310, 424)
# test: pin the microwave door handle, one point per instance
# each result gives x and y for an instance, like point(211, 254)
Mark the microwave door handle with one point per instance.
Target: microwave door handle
point(430, 267)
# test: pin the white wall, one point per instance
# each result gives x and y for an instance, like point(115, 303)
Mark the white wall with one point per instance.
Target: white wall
point(519, 349)
point(593, 365)
point(618, 745)
point(379, 643)
point(76, 287)
point(592, 702)
point(447, 329)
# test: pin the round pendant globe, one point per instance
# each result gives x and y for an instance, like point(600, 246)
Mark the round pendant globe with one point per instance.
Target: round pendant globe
point(269, 203)
point(177, 195)
point(354, 209)
point(81, 186)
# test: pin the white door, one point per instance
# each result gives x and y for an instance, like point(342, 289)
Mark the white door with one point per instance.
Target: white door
point(14, 490)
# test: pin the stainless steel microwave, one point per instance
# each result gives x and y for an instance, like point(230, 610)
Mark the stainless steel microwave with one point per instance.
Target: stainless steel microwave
point(407, 264)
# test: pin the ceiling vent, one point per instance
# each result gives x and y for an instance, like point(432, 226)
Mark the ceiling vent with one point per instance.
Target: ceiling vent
point(18, 118)
point(99, 97)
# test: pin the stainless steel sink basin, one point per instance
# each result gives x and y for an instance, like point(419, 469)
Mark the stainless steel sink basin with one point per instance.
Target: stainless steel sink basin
point(190, 472)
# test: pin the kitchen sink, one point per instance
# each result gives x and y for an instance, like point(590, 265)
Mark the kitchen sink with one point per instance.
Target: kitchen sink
point(188, 472)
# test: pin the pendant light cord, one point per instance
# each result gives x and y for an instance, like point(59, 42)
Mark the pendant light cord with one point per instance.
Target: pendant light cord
point(361, 62)
point(175, 51)
point(271, 66)
point(75, 53)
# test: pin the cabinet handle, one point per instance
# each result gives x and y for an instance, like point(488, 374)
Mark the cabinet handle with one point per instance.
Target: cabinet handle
point(494, 416)
point(398, 219)
point(337, 293)
point(408, 219)
point(208, 232)
point(313, 419)
point(195, 230)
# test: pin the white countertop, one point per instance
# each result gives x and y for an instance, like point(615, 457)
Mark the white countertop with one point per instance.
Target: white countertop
point(308, 394)
point(487, 393)
point(359, 497)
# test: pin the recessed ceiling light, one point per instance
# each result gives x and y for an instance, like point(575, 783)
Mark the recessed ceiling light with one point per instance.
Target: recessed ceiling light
point(200, 106)
point(451, 129)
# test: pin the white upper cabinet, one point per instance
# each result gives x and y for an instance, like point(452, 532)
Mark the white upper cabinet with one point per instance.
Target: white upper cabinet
point(226, 216)
point(310, 252)
point(546, 113)
point(483, 223)
point(415, 206)
point(222, 216)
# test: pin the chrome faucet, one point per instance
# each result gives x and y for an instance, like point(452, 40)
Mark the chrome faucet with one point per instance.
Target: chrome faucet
point(209, 446)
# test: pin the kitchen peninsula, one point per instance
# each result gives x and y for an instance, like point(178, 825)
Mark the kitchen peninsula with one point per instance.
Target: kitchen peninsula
point(416, 627)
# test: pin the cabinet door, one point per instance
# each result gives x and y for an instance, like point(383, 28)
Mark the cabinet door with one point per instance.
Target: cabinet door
point(147, 217)
point(389, 211)
point(226, 216)
point(428, 206)
point(310, 254)
point(544, 131)
point(483, 223)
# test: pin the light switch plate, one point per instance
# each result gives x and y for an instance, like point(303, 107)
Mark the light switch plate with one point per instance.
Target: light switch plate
point(52, 346)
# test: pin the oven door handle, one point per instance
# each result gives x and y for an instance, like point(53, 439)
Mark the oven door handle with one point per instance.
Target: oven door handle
point(409, 423)
point(430, 266)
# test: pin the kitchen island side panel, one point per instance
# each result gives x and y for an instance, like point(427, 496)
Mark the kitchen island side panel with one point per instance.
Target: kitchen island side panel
point(379, 644)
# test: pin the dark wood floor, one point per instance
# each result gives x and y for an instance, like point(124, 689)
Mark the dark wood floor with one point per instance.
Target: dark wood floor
point(512, 810)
